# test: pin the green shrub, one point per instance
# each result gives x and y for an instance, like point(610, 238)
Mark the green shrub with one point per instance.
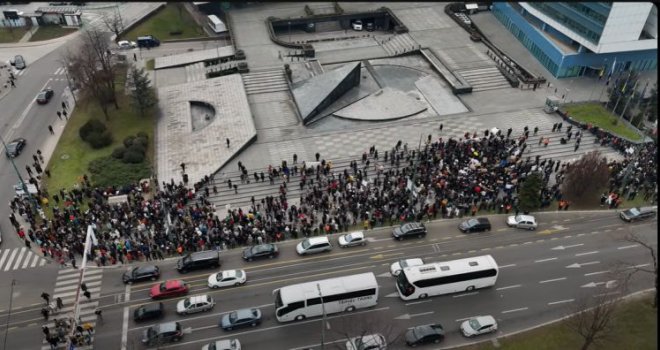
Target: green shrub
point(137, 148)
point(141, 141)
point(93, 125)
point(108, 171)
point(133, 157)
point(143, 134)
point(99, 139)
point(128, 141)
point(118, 153)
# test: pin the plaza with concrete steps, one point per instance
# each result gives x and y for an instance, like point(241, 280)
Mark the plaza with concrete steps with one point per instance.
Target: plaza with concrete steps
point(265, 80)
point(397, 44)
point(484, 78)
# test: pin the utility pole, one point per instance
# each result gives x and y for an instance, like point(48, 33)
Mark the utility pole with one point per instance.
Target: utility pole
point(11, 300)
point(90, 239)
point(318, 286)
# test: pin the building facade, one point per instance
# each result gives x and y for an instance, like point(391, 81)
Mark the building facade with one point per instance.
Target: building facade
point(584, 38)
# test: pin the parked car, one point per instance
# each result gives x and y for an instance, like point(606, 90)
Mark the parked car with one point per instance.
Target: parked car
point(18, 62)
point(15, 147)
point(426, 334)
point(474, 225)
point(169, 288)
point(352, 239)
point(527, 222)
point(411, 229)
point(478, 325)
point(260, 251)
point(226, 344)
point(314, 245)
point(126, 45)
point(147, 41)
point(148, 312)
point(240, 318)
point(198, 260)
point(227, 278)
point(637, 214)
point(367, 342)
point(370, 26)
point(162, 333)
point(45, 95)
point(141, 273)
point(395, 268)
point(357, 25)
point(197, 303)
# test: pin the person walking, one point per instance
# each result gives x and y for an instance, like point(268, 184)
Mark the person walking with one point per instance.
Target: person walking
point(29, 170)
point(59, 115)
point(60, 303)
point(227, 142)
point(99, 314)
point(554, 127)
point(46, 297)
point(66, 116)
point(536, 129)
point(50, 128)
point(64, 106)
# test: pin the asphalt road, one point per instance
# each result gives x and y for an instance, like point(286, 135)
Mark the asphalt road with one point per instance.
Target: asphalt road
point(538, 282)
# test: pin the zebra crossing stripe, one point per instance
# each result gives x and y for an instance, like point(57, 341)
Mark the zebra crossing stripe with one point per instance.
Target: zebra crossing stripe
point(18, 260)
point(35, 260)
point(4, 257)
point(11, 259)
point(27, 260)
point(89, 284)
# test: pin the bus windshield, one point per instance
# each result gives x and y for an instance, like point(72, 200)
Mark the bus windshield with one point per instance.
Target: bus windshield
point(404, 286)
point(278, 299)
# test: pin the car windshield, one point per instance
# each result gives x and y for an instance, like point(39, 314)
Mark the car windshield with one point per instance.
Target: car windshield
point(186, 303)
point(306, 244)
point(11, 147)
point(519, 218)
point(349, 237)
point(472, 222)
point(218, 276)
point(634, 211)
point(239, 273)
point(233, 316)
point(163, 287)
point(212, 346)
point(474, 324)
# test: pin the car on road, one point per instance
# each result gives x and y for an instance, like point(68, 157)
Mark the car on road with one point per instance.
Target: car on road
point(313, 245)
point(478, 325)
point(197, 303)
point(260, 251)
point(475, 225)
point(395, 268)
point(527, 222)
point(15, 147)
point(169, 288)
point(18, 62)
point(44, 96)
point(227, 278)
point(148, 312)
point(126, 45)
point(637, 214)
point(225, 344)
point(407, 230)
point(352, 239)
point(168, 332)
point(141, 273)
point(357, 25)
point(240, 318)
point(370, 26)
point(426, 334)
point(367, 342)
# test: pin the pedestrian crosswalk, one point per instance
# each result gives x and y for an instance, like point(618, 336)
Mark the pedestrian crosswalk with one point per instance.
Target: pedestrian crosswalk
point(66, 287)
point(19, 258)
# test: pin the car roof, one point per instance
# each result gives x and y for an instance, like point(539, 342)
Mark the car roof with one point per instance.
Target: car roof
point(526, 217)
point(240, 313)
point(173, 283)
point(168, 326)
point(356, 234)
point(199, 298)
point(229, 273)
point(484, 320)
point(411, 262)
point(152, 306)
point(146, 268)
point(315, 240)
point(426, 329)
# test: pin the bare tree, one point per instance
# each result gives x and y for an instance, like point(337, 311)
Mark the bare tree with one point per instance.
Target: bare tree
point(113, 22)
point(585, 177)
point(634, 238)
point(360, 324)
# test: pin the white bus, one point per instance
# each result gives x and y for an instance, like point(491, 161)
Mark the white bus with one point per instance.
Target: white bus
point(419, 282)
point(299, 301)
point(216, 24)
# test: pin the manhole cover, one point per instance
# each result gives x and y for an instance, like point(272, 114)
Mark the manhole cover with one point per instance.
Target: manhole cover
point(64, 156)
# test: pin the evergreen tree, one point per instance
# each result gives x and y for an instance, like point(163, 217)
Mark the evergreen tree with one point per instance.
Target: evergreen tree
point(530, 192)
point(142, 95)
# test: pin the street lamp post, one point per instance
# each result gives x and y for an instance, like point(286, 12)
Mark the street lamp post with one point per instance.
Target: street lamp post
point(90, 239)
point(68, 80)
point(289, 24)
point(11, 300)
point(318, 286)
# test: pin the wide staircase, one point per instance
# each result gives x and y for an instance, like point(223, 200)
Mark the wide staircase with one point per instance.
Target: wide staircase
point(397, 44)
point(195, 72)
point(265, 80)
point(555, 150)
point(484, 78)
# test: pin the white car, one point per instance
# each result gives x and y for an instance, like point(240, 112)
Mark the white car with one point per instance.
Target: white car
point(194, 304)
point(314, 245)
point(367, 342)
point(527, 222)
point(357, 25)
point(478, 325)
point(126, 45)
point(226, 344)
point(396, 268)
point(352, 239)
point(227, 278)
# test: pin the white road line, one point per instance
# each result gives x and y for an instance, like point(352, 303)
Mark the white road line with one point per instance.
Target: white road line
point(596, 273)
point(510, 265)
point(514, 310)
point(587, 253)
point(628, 246)
point(75, 286)
point(10, 260)
point(561, 302)
point(553, 280)
point(418, 302)
point(544, 260)
point(27, 260)
point(465, 294)
point(35, 260)
point(43, 262)
point(509, 287)
point(18, 259)
point(124, 325)
point(4, 257)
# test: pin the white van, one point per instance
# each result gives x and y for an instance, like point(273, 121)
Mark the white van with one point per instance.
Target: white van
point(314, 245)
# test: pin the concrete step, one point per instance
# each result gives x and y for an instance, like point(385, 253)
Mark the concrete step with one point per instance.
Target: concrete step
point(485, 80)
point(195, 72)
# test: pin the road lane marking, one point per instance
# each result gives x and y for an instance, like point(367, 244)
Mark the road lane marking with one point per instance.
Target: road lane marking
point(509, 287)
point(587, 253)
point(465, 294)
point(596, 273)
point(510, 265)
point(553, 280)
point(11, 258)
point(628, 246)
point(561, 302)
point(544, 260)
point(418, 302)
point(124, 325)
point(515, 310)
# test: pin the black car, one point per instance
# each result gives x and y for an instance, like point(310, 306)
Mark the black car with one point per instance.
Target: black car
point(240, 318)
point(474, 225)
point(430, 333)
point(637, 214)
point(148, 312)
point(411, 229)
point(44, 96)
point(260, 251)
point(15, 147)
point(141, 273)
point(162, 333)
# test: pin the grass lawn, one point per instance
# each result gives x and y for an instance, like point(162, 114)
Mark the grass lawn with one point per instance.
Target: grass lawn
point(634, 327)
point(51, 32)
point(124, 122)
point(150, 64)
point(165, 21)
point(598, 116)
point(12, 35)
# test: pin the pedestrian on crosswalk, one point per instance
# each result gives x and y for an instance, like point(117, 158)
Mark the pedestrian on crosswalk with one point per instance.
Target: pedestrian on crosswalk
point(45, 313)
point(46, 331)
point(60, 303)
point(46, 297)
point(99, 314)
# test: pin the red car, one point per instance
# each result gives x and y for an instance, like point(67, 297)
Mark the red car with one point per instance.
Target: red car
point(169, 288)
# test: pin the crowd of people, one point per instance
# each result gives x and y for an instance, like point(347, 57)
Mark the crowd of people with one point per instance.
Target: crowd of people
point(444, 178)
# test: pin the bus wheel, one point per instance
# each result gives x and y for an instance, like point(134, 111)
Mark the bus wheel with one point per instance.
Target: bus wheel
point(350, 309)
point(423, 296)
point(470, 288)
point(300, 317)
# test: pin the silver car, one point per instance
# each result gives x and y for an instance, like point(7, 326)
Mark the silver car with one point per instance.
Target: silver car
point(195, 304)
point(526, 222)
